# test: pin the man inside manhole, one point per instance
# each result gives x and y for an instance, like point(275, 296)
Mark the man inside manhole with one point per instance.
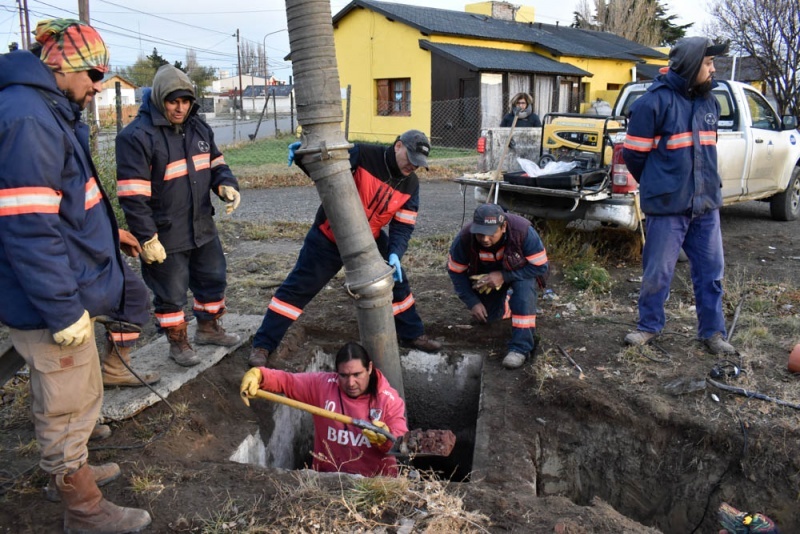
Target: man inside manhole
point(358, 390)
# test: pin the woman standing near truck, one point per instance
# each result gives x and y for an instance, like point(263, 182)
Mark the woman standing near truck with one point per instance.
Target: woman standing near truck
point(520, 103)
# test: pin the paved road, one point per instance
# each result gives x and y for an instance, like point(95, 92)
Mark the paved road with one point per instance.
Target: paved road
point(441, 206)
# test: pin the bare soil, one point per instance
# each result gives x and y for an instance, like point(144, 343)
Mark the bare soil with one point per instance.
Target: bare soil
point(595, 446)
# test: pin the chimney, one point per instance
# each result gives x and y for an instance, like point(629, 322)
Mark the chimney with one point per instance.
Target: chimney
point(504, 11)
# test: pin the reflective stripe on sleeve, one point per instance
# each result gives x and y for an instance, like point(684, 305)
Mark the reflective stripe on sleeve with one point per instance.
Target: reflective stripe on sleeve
point(406, 216)
point(133, 187)
point(22, 200)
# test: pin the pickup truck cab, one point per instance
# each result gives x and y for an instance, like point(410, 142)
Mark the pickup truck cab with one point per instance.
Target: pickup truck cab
point(758, 157)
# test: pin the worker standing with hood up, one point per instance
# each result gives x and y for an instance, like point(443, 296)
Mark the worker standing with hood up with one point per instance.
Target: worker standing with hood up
point(671, 150)
point(167, 167)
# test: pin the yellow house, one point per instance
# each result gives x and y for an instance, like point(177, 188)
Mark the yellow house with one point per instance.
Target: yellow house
point(451, 73)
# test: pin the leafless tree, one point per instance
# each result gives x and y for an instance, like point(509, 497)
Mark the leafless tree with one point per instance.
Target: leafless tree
point(643, 21)
point(769, 31)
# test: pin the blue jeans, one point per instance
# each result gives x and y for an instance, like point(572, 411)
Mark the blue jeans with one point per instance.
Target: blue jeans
point(701, 239)
point(317, 264)
point(200, 269)
point(522, 304)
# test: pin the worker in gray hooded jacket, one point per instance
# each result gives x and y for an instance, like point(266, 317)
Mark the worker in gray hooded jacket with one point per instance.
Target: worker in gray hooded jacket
point(167, 166)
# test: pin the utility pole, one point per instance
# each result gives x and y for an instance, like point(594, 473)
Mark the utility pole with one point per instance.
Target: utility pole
point(27, 25)
point(91, 111)
point(239, 60)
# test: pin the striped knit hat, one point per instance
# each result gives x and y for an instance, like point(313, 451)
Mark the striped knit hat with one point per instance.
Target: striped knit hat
point(69, 45)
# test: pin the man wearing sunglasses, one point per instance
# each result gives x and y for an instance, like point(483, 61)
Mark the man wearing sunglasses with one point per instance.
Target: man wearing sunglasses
point(60, 262)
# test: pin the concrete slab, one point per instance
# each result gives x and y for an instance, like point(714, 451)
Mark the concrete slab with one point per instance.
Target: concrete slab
point(123, 403)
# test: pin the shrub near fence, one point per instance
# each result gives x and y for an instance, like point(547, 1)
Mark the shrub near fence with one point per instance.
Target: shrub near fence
point(108, 115)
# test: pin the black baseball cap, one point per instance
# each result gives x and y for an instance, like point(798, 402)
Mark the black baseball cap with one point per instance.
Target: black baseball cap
point(487, 219)
point(417, 146)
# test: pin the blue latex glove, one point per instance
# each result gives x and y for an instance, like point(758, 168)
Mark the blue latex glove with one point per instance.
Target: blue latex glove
point(394, 261)
point(294, 146)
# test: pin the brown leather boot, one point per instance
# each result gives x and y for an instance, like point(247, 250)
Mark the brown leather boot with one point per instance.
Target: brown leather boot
point(116, 374)
point(103, 474)
point(87, 511)
point(211, 333)
point(179, 348)
point(100, 432)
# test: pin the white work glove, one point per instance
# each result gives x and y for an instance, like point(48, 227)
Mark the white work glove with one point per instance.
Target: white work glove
point(77, 333)
point(231, 196)
point(153, 251)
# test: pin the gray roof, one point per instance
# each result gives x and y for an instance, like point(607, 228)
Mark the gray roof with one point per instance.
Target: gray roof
point(493, 59)
point(560, 40)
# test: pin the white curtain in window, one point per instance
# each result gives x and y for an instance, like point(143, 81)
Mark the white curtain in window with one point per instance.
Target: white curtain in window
point(491, 99)
point(543, 95)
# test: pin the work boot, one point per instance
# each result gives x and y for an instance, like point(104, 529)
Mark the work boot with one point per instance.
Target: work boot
point(116, 374)
point(179, 348)
point(716, 345)
point(88, 512)
point(211, 333)
point(100, 432)
point(102, 474)
point(258, 357)
point(639, 338)
point(514, 360)
point(423, 343)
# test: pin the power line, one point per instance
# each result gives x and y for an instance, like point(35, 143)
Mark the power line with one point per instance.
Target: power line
point(164, 18)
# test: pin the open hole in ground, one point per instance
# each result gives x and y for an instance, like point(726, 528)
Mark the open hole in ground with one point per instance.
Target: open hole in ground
point(442, 392)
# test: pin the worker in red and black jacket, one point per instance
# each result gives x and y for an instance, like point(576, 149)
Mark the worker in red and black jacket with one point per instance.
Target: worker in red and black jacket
point(389, 191)
point(496, 264)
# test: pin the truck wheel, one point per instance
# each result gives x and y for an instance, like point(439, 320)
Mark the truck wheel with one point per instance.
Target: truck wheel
point(786, 206)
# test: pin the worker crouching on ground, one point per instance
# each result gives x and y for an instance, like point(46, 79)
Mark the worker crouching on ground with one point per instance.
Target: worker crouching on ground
point(496, 263)
point(389, 190)
point(167, 166)
point(358, 390)
point(60, 263)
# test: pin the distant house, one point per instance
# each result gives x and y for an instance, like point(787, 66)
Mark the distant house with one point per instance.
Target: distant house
point(451, 73)
point(108, 97)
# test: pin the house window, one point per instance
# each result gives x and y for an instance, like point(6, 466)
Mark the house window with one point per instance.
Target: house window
point(394, 96)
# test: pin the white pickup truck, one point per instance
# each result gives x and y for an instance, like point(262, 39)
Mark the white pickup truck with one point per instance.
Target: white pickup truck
point(758, 155)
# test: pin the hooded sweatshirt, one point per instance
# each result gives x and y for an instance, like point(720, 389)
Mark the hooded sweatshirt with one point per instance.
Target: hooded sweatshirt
point(59, 243)
point(671, 144)
point(166, 172)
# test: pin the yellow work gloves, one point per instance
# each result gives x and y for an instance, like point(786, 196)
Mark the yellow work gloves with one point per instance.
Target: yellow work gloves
point(373, 437)
point(231, 196)
point(77, 333)
point(153, 251)
point(483, 288)
point(251, 382)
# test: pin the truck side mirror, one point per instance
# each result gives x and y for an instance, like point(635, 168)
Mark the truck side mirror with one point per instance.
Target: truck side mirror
point(789, 122)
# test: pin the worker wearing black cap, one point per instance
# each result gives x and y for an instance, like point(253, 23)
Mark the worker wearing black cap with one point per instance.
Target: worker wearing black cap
point(671, 150)
point(167, 166)
point(389, 190)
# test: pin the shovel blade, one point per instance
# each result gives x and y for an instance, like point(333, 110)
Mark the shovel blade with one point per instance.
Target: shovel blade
point(420, 443)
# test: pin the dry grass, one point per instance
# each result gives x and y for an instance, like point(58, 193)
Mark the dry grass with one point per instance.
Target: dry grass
point(15, 410)
point(320, 503)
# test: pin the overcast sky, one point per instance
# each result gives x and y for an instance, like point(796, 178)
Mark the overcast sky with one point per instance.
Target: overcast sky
point(134, 27)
